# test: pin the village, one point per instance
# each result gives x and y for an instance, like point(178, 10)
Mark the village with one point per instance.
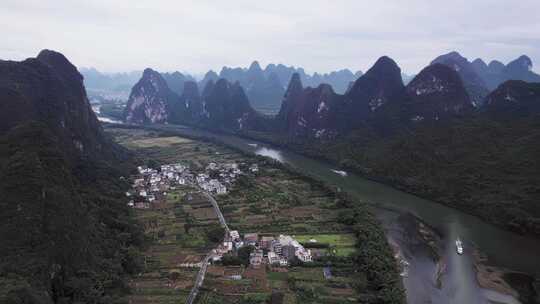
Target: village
point(224, 227)
point(151, 186)
point(265, 250)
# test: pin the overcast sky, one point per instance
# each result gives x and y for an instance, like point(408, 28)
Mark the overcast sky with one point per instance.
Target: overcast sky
point(195, 36)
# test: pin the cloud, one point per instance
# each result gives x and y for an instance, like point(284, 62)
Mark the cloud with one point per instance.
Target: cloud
point(319, 35)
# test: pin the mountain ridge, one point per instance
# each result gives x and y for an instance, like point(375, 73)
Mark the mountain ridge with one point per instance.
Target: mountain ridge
point(64, 225)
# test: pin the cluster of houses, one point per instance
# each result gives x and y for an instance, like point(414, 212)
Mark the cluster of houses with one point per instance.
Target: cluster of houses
point(152, 184)
point(274, 251)
point(217, 176)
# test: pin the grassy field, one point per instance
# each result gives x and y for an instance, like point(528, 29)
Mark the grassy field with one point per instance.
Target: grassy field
point(271, 202)
point(339, 244)
point(159, 142)
point(277, 202)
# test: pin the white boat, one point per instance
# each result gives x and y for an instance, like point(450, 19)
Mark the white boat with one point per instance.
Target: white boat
point(253, 145)
point(459, 246)
point(342, 173)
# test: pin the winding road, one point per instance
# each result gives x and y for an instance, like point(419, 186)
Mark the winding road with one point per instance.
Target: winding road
point(218, 211)
point(204, 266)
point(200, 279)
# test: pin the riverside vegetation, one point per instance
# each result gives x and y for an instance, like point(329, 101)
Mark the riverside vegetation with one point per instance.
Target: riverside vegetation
point(486, 167)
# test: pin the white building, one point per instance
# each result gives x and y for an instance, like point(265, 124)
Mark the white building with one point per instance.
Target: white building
point(304, 255)
point(228, 245)
point(299, 251)
point(179, 167)
point(138, 182)
point(273, 258)
point(212, 166)
point(234, 234)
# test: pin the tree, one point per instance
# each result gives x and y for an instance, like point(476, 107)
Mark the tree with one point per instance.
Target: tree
point(244, 252)
point(215, 233)
point(231, 260)
point(152, 163)
point(189, 223)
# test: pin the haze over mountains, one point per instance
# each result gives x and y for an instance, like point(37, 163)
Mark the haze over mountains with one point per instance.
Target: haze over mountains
point(480, 78)
point(221, 104)
point(109, 84)
point(451, 85)
point(264, 87)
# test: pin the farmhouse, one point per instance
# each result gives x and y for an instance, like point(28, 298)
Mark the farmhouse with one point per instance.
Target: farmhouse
point(251, 239)
point(273, 258)
point(256, 258)
point(266, 242)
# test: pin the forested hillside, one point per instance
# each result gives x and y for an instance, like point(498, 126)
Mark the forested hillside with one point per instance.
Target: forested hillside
point(66, 231)
point(482, 166)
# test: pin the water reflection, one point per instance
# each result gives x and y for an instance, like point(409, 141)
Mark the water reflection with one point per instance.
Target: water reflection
point(459, 282)
point(109, 120)
point(274, 154)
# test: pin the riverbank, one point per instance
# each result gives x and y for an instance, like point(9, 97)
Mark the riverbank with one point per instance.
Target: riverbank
point(429, 173)
point(488, 277)
point(405, 184)
point(429, 261)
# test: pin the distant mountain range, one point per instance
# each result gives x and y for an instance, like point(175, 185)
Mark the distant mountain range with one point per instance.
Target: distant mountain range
point(377, 98)
point(221, 105)
point(95, 80)
point(450, 86)
point(159, 98)
point(480, 78)
point(263, 87)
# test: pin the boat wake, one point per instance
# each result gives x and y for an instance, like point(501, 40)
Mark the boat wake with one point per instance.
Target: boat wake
point(340, 172)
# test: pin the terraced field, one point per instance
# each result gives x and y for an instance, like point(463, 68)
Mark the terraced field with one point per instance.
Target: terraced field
point(271, 202)
point(172, 244)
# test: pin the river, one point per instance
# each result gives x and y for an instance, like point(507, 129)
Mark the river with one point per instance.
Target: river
point(503, 249)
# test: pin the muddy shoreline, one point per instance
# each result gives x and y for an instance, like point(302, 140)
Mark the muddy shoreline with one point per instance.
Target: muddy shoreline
point(499, 283)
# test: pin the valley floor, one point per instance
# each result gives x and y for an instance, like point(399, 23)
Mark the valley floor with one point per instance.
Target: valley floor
point(274, 201)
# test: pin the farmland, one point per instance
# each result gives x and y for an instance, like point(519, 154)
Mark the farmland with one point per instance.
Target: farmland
point(272, 202)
